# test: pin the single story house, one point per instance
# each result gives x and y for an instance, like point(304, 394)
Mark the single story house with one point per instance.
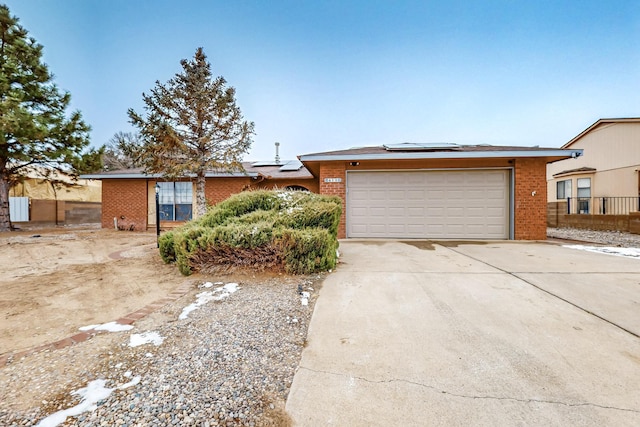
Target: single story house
point(605, 180)
point(440, 191)
point(128, 196)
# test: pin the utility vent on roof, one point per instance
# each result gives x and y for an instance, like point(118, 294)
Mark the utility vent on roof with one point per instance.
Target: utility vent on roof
point(431, 146)
point(285, 166)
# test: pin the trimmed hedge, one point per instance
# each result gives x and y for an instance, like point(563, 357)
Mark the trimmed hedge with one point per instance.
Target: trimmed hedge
point(291, 230)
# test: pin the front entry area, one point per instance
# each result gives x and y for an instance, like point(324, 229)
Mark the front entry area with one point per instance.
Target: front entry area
point(433, 204)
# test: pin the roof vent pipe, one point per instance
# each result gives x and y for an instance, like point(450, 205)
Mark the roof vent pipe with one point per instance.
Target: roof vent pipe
point(277, 153)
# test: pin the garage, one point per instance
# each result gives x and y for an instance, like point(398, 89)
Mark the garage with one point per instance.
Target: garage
point(435, 204)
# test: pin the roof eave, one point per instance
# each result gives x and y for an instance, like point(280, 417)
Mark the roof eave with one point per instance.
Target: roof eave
point(159, 176)
point(598, 123)
point(558, 154)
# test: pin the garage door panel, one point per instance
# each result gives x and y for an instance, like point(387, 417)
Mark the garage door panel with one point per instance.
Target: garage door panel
point(359, 195)
point(377, 195)
point(428, 204)
point(377, 212)
point(397, 195)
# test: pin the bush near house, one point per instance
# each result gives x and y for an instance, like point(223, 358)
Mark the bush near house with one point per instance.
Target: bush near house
point(289, 230)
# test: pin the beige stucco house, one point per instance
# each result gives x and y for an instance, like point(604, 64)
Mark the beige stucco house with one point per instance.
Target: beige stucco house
point(605, 179)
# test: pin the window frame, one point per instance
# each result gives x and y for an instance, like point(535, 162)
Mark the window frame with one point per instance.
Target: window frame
point(175, 201)
point(566, 186)
point(583, 197)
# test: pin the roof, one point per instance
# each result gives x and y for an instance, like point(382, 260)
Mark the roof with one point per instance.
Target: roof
point(440, 151)
point(286, 169)
point(599, 123)
point(577, 170)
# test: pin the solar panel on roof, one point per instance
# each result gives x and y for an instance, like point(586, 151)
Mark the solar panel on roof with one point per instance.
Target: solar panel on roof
point(271, 163)
point(291, 165)
point(411, 146)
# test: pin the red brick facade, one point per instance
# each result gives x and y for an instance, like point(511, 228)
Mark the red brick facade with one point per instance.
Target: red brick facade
point(530, 175)
point(127, 199)
point(531, 199)
point(329, 173)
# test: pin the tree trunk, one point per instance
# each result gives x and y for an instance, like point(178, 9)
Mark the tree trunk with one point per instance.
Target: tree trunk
point(201, 200)
point(5, 221)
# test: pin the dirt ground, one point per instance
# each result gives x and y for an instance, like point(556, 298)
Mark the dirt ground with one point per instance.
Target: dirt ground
point(54, 281)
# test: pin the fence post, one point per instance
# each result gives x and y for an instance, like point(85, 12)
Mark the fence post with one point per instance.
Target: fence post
point(604, 205)
point(569, 205)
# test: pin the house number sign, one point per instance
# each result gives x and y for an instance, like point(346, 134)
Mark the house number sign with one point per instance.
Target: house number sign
point(333, 180)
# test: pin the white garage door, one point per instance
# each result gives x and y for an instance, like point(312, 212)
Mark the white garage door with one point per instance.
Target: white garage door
point(470, 204)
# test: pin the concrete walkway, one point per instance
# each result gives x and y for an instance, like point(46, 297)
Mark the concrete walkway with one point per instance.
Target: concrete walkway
point(418, 333)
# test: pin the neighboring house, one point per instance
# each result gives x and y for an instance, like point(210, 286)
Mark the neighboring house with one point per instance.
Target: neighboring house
point(439, 191)
point(49, 197)
point(604, 181)
point(128, 196)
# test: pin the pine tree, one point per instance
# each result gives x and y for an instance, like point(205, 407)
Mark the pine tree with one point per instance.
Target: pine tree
point(34, 128)
point(192, 126)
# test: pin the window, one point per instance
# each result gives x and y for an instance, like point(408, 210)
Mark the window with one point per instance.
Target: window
point(563, 189)
point(176, 201)
point(584, 195)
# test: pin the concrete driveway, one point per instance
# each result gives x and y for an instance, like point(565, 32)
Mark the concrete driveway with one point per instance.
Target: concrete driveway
point(460, 334)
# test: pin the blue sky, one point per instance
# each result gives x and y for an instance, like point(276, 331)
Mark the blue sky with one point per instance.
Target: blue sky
point(324, 75)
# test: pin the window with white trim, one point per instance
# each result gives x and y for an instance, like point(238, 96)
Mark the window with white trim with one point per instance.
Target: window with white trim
point(563, 189)
point(584, 195)
point(176, 201)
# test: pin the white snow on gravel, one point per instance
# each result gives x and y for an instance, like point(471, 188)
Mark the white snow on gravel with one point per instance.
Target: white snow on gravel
point(109, 327)
point(624, 252)
point(203, 298)
point(94, 392)
point(304, 299)
point(154, 338)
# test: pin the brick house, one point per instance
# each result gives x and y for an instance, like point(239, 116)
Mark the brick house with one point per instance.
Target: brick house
point(128, 196)
point(436, 191)
point(440, 191)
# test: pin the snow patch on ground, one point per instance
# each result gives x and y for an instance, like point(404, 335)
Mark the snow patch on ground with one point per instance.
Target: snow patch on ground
point(304, 299)
point(94, 392)
point(145, 338)
point(624, 252)
point(109, 327)
point(203, 298)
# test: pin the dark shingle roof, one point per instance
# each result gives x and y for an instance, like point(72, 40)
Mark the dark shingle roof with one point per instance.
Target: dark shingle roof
point(285, 170)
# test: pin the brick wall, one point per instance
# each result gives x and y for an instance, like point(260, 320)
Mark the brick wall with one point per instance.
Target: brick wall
point(309, 184)
point(530, 209)
point(126, 200)
point(530, 175)
point(554, 211)
point(219, 189)
point(335, 170)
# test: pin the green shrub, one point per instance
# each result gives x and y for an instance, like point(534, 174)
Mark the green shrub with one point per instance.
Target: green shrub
point(185, 244)
point(238, 205)
point(314, 214)
point(167, 250)
point(307, 251)
point(293, 230)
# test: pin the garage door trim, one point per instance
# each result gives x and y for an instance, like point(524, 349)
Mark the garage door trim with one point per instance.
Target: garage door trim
point(510, 186)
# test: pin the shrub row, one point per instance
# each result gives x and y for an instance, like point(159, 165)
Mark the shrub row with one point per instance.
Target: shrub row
point(292, 230)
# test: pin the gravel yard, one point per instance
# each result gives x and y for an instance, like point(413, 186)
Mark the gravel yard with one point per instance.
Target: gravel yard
point(230, 362)
point(608, 238)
